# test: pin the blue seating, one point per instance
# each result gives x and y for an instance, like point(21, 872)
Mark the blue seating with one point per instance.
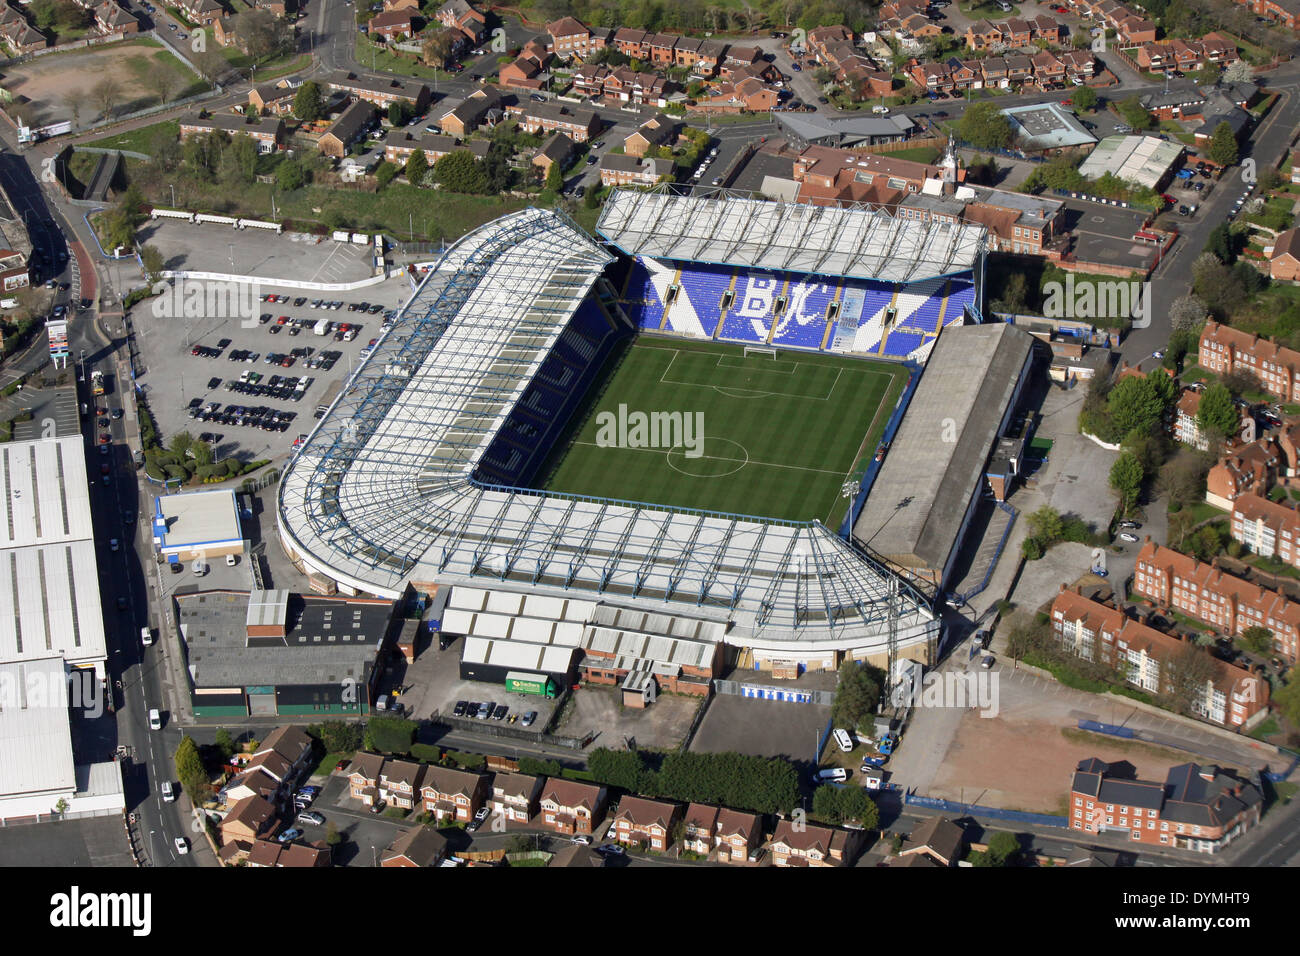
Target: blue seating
point(860, 324)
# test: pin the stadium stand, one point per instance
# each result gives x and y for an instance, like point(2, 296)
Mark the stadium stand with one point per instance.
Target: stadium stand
point(697, 300)
point(804, 323)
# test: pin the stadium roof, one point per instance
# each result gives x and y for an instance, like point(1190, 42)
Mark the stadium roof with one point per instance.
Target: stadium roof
point(916, 507)
point(1144, 160)
point(788, 237)
point(382, 492)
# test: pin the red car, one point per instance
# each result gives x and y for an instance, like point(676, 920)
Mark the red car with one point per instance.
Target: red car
point(282, 320)
point(1167, 198)
point(341, 765)
point(104, 438)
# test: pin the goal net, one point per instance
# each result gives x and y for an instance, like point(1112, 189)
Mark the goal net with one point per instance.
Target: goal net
point(761, 351)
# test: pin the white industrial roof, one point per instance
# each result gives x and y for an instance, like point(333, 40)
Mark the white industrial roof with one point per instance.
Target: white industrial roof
point(787, 236)
point(35, 736)
point(196, 518)
point(518, 655)
point(50, 603)
point(46, 492)
point(1136, 159)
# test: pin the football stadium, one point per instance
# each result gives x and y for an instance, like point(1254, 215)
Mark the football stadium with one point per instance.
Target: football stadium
point(662, 438)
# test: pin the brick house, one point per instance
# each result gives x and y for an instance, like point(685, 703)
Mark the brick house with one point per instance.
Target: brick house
point(660, 130)
point(811, 845)
point(1199, 807)
point(350, 127)
point(1246, 469)
point(269, 854)
point(1267, 528)
point(202, 12)
point(579, 125)
point(632, 43)
point(399, 145)
point(617, 169)
point(418, 846)
point(524, 73)
point(381, 93)
point(515, 796)
point(570, 38)
point(1224, 349)
point(271, 98)
point(938, 838)
point(1284, 260)
point(248, 820)
point(392, 23)
point(456, 15)
point(1207, 593)
point(557, 149)
point(266, 132)
point(733, 833)
point(1283, 12)
point(451, 794)
point(650, 821)
point(399, 782)
point(570, 807)
point(363, 777)
point(480, 107)
point(1146, 657)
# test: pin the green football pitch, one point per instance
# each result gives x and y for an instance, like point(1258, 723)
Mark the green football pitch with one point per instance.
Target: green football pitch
point(776, 438)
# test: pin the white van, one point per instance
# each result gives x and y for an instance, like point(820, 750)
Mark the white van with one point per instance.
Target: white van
point(382, 703)
point(155, 720)
point(842, 739)
point(146, 636)
point(199, 568)
point(168, 792)
point(831, 774)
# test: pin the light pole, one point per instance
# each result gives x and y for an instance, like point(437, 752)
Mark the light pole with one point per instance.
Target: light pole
point(173, 189)
point(232, 256)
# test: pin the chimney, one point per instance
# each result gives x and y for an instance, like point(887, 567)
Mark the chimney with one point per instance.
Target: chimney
point(1206, 771)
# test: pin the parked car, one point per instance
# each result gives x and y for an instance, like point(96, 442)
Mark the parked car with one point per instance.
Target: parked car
point(168, 791)
point(182, 845)
point(500, 712)
point(836, 774)
point(842, 739)
point(289, 835)
point(988, 662)
point(459, 709)
point(581, 839)
point(378, 806)
point(611, 849)
point(529, 718)
point(312, 817)
point(1128, 536)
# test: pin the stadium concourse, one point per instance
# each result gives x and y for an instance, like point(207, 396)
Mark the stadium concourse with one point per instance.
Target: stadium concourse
point(423, 474)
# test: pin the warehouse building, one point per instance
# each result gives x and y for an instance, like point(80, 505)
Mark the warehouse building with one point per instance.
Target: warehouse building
point(1143, 160)
point(197, 524)
point(275, 653)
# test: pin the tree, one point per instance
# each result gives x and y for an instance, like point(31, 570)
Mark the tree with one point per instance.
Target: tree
point(1014, 293)
point(289, 175)
point(400, 112)
point(1223, 145)
point(73, 101)
point(1003, 848)
point(307, 103)
point(1186, 312)
point(339, 736)
point(1046, 525)
point(1216, 415)
point(1185, 676)
point(437, 48)
point(210, 63)
point(554, 178)
point(625, 769)
point(984, 127)
point(417, 165)
point(460, 172)
point(1138, 402)
point(385, 173)
point(332, 835)
point(164, 83)
point(153, 263)
point(856, 695)
point(1126, 479)
point(1239, 72)
point(1257, 640)
point(203, 454)
point(190, 772)
point(1134, 113)
point(242, 156)
point(1085, 98)
point(225, 744)
point(264, 35)
point(390, 734)
point(106, 94)
point(180, 443)
point(1287, 699)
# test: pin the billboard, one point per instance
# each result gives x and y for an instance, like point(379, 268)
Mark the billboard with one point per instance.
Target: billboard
point(58, 331)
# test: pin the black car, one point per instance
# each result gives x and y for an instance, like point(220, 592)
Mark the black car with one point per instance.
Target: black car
point(459, 709)
point(500, 712)
point(223, 343)
point(195, 402)
point(214, 383)
point(300, 301)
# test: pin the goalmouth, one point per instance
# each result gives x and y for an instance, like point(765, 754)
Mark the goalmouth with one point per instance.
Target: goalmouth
point(760, 350)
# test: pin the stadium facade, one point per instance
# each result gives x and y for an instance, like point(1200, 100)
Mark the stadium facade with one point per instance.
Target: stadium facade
point(419, 475)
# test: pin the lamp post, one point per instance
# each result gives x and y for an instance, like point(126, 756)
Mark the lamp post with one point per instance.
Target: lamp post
point(173, 189)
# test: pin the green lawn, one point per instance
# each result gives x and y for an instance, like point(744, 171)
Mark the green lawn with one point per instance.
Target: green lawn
point(375, 56)
point(923, 154)
point(1204, 511)
point(279, 66)
point(138, 140)
point(779, 437)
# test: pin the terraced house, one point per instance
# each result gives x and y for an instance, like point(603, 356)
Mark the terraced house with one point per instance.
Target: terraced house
point(1016, 33)
point(459, 15)
point(1269, 529)
point(1150, 659)
point(515, 796)
point(1207, 593)
point(1224, 349)
point(571, 807)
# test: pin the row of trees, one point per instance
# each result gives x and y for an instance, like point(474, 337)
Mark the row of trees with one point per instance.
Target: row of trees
point(1047, 527)
point(716, 17)
point(740, 781)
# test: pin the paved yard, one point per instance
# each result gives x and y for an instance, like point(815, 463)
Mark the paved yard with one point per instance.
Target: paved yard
point(599, 710)
point(764, 728)
point(97, 841)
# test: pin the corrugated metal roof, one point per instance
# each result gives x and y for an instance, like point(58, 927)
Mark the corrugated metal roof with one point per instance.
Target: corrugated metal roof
point(268, 608)
point(35, 736)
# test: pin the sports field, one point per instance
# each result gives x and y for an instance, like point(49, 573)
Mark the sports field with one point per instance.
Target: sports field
point(752, 435)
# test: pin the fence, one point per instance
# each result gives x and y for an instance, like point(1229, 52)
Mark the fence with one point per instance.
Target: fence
point(768, 692)
point(503, 730)
point(996, 813)
point(937, 142)
point(287, 283)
